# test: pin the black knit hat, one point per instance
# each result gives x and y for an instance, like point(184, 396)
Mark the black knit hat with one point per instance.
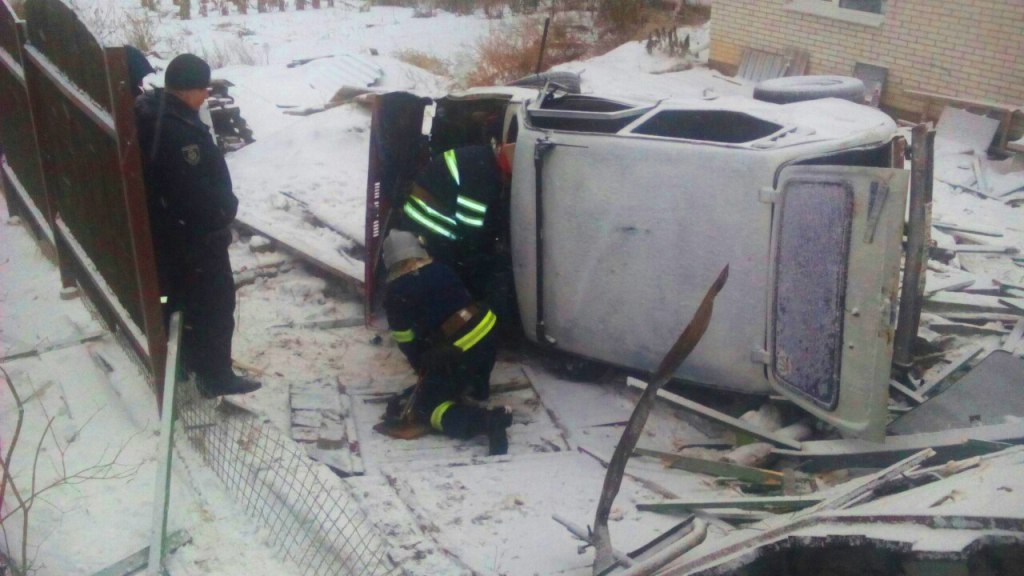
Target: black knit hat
point(187, 72)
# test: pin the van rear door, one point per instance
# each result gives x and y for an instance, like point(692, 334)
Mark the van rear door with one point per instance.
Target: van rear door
point(836, 247)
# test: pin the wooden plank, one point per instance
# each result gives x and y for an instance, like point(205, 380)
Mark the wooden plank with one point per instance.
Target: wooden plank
point(42, 348)
point(961, 358)
point(766, 503)
point(972, 302)
point(985, 249)
point(351, 277)
point(1015, 303)
point(972, 228)
point(1014, 338)
point(137, 561)
point(1010, 431)
point(715, 468)
point(864, 486)
point(950, 283)
point(966, 328)
point(721, 418)
point(906, 391)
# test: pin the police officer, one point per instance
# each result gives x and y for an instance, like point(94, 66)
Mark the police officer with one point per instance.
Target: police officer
point(446, 338)
point(191, 205)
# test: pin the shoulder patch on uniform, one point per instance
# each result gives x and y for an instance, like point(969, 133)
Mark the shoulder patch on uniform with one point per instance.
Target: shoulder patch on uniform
point(191, 153)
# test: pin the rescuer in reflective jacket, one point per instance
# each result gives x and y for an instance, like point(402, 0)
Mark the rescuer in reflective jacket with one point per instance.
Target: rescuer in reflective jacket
point(446, 338)
point(191, 205)
point(452, 206)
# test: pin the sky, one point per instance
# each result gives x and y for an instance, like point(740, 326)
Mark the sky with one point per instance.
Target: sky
point(443, 506)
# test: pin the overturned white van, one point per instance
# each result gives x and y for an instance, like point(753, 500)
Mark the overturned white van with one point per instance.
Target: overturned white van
point(621, 214)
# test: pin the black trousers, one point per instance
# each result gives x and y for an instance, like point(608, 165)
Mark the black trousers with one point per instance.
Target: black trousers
point(472, 373)
point(197, 280)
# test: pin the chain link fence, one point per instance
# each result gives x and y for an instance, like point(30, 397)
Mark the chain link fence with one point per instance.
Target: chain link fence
point(308, 515)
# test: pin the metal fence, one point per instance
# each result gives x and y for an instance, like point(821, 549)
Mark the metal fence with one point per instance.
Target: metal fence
point(308, 515)
point(73, 170)
point(22, 175)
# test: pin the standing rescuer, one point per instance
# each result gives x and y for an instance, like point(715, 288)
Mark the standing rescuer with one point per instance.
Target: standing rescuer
point(191, 205)
point(448, 341)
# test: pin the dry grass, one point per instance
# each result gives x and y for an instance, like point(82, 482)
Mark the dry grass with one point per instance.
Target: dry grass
point(425, 61)
point(230, 52)
point(512, 53)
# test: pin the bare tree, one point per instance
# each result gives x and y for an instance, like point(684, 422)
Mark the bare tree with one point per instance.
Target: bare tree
point(104, 469)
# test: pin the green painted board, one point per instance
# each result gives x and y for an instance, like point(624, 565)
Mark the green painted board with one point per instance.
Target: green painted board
point(768, 503)
point(715, 467)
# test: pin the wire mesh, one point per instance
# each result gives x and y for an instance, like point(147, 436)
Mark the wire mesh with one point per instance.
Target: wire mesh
point(311, 521)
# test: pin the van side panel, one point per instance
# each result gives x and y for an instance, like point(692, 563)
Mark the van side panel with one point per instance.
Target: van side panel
point(635, 230)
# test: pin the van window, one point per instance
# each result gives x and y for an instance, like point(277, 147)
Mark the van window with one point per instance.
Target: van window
point(576, 113)
point(708, 126)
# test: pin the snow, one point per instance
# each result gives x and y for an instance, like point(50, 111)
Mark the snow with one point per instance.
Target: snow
point(443, 506)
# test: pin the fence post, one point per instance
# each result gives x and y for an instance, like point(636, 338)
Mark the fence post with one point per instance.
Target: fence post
point(162, 498)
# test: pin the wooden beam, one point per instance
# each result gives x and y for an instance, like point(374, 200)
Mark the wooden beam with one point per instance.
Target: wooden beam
point(907, 391)
point(715, 468)
point(961, 358)
point(849, 451)
point(864, 486)
point(974, 229)
point(721, 418)
point(980, 303)
point(765, 503)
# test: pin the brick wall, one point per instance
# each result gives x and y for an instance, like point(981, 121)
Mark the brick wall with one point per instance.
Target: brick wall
point(970, 49)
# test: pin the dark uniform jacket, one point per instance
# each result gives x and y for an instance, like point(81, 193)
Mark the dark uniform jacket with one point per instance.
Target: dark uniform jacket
point(188, 181)
point(417, 303)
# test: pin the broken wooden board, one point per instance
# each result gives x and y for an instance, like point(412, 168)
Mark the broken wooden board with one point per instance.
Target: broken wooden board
point(966, 328)
point(338, 265)
point(765, 503)
point(960, 358)
point(724, 419)
point(321, 421)
point(43, 347)
point(962, 302)
point(971, 228)
point(949, 444)
point(985, 249)
point(715, 468)
point(907, 391)
point(861, 487)
point(1015, 339)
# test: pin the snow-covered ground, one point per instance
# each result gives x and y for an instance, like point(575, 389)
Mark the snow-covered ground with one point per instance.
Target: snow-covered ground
point(443, 506)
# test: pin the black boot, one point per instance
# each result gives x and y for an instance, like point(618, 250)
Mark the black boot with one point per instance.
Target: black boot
point(498, 420)
point(232, 384)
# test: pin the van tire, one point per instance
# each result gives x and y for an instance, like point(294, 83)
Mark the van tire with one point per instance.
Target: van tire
point(800, 88)
point(568, 80)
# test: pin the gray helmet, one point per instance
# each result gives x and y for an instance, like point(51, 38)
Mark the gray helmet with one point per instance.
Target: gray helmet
point(401, 245)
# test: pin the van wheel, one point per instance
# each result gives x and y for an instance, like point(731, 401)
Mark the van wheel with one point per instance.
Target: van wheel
point(570, 81)
point(800, 88)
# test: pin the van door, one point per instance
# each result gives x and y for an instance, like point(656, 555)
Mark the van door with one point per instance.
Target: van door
point(835, 260)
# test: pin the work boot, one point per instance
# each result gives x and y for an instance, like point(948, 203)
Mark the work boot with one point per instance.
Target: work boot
point(233, 384)
point(498, 420)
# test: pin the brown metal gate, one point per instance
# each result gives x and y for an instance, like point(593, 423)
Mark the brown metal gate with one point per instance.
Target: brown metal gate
point(21, 173)
point(84, 125)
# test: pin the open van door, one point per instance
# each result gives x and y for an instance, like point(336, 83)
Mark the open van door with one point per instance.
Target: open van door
point(835, 261)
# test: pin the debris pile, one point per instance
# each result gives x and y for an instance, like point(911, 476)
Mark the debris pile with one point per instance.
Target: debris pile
point(230, 128)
